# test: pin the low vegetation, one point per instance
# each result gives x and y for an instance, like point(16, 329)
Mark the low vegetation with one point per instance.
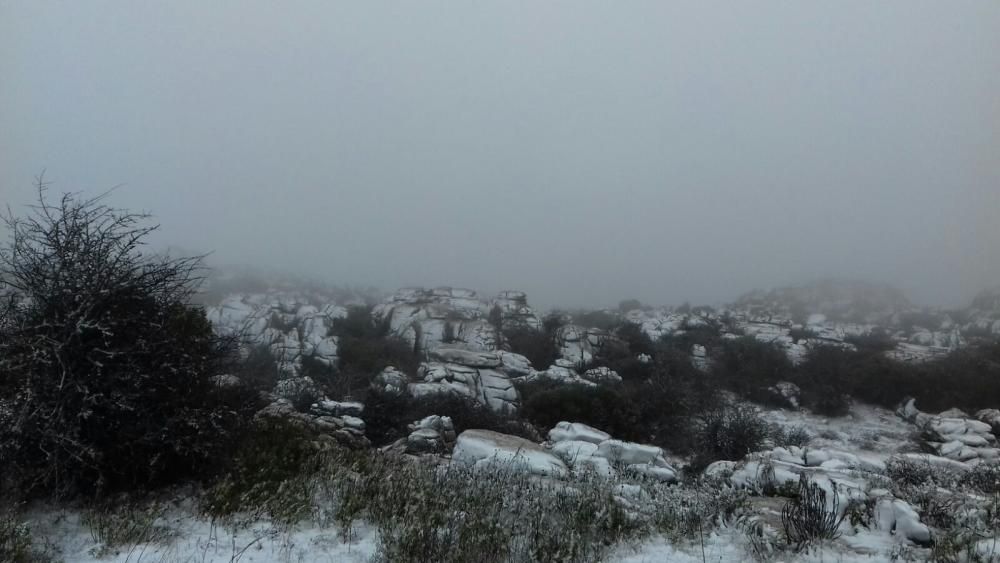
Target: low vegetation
point(808, 517)
point(16, 542)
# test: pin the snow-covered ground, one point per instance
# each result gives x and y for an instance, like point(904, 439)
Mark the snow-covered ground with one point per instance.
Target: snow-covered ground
point(870, 434)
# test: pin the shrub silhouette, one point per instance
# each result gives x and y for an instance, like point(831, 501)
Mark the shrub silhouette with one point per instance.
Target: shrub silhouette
point(105, 370)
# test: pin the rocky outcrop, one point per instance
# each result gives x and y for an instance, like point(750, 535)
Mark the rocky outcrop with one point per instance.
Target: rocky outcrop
point(344, 429)
point(954, 435)
point(290, 325)
point(587, 449)
point(485, 377)
point(843, 476)
point(444, 316)
point(487, 385)
point(579, 345)
point(484, 448)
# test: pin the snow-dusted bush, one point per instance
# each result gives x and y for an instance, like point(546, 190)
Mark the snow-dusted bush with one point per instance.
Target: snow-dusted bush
point(273, 474)
point(365, 347)
point(16, 544)
point(683, 513)
point(546, 403)
point(498, 514)
point(729, 432)
point(106, 369)
point(808, 517)
point(459, 514)
point(117, 525)
point(539, 346)
point(750, 367)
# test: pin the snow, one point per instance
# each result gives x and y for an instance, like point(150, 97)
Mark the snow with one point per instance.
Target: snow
point(195, 540)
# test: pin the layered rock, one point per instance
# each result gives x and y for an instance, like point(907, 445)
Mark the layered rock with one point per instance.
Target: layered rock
point(953, 434)
point(344, 429)
point(579, 345)
point(587, 449)
point(485, 377)
point(429, 318)
point(290, 325)
point(844, 478)
point(484, 381)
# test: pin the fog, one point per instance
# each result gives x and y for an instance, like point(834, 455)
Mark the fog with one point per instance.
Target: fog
point(583, 152)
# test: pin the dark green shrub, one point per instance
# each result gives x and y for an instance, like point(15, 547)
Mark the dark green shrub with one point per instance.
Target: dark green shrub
point(750, 367)
point(365, 347)
point(387, 416)
point(729, 432)
point(105, 370)
point(539, 346)
point(808, 518)
point(269, 475)
point(16, 543)
point(544, 404)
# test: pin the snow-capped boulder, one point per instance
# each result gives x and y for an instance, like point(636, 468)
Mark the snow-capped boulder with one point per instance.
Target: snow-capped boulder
point(991, 417)
point(488, 386)
point(959, 439)
point(898, 517)
point(482, 448)
point(585, 448)
point(576, 431)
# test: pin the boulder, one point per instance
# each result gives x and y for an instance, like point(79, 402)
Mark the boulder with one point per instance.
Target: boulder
point(432, 434)
point(484, 448)
point(588, 449)
point(576, 431)
point(487, 386)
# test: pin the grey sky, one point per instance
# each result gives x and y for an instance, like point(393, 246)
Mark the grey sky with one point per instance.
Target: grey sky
point(581, 151)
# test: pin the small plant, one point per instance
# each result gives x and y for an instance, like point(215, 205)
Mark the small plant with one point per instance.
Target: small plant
point(16, 544)
point(729, 433)
point(272, 475)
point(808, 517)
point(794, 436)
point(127, 524)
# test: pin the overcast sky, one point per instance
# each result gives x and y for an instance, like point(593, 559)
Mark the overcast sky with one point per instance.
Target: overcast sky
point(581, 151)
